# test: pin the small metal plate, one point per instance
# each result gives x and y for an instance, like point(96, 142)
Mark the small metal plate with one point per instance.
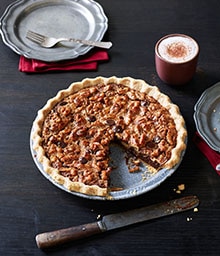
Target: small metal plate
point(82, 19)
point(207, 116)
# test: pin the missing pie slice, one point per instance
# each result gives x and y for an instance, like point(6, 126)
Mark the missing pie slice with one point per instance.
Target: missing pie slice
point(72, 132)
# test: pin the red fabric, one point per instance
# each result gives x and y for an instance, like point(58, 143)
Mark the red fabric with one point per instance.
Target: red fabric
point(88, 62)
point(212, 155)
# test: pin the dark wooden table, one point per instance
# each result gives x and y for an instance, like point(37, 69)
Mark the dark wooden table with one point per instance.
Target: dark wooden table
point(30, 204)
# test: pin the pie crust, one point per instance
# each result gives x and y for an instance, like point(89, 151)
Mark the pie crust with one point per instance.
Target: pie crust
point(72, 132)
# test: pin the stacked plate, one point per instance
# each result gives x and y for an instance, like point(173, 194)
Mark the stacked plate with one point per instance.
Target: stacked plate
point(207, 116)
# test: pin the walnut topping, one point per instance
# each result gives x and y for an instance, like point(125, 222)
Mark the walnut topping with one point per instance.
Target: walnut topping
point(78, 130)
point(72, 132)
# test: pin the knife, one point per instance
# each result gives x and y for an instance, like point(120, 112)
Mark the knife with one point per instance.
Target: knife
point(113, 221)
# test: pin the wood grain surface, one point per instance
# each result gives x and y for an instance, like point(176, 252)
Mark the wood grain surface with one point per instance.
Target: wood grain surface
point(30, 204)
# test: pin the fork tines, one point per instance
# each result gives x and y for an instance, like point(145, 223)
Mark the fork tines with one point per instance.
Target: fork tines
point(35, 37)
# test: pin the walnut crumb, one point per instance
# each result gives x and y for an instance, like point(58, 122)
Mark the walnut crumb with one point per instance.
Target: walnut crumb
point(98, 217)
point(180, 188)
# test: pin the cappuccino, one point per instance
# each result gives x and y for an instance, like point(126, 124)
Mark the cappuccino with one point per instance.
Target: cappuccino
point(178, 49)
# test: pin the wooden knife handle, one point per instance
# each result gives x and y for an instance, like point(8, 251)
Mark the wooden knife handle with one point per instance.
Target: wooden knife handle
point(58, 237)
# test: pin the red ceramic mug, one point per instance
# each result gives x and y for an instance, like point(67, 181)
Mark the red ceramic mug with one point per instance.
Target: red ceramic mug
point(176, 57)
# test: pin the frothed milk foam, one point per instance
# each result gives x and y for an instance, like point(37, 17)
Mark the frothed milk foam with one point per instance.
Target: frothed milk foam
point(177, 49)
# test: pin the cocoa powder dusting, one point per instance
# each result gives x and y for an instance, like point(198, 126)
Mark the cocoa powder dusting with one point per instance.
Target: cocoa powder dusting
point(177, 50)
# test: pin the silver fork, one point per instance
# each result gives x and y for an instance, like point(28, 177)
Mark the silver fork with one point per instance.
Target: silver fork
point(49, 42)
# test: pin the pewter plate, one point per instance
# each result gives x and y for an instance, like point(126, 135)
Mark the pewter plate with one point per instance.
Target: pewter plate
point(82, 19)
point(133, 184)
point(207, 116)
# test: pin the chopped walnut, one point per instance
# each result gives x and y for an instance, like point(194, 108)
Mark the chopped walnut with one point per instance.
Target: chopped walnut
point(79, 129)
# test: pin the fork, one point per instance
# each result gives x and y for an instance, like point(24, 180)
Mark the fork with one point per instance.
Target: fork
point(49, 42)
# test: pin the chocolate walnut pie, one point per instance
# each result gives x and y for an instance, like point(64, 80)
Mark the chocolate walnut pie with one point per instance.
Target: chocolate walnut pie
point(72, 132)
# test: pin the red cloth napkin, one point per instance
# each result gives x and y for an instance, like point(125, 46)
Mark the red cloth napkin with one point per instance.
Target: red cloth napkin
point(88, 62)
point(212, 155)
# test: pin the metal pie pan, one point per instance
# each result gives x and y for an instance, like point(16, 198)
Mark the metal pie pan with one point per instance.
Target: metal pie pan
point(133, 184)
point(207, 116)
point(82, 19)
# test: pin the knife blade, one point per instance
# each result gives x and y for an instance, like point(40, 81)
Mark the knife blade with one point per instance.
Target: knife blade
point(114, 221)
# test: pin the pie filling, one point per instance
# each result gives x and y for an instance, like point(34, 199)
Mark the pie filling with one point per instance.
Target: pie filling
point(77, 131)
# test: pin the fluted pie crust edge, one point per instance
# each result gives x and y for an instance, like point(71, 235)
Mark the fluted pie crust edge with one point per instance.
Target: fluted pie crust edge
point(136, 84)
